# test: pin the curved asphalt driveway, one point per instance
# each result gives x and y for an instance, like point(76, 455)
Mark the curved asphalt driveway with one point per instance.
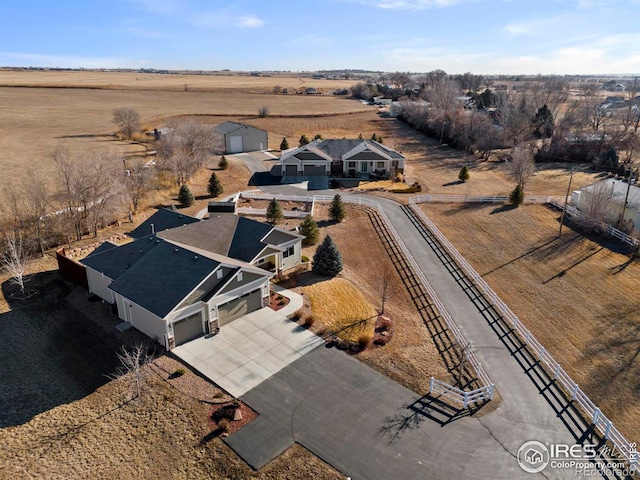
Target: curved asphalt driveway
point(338, 408)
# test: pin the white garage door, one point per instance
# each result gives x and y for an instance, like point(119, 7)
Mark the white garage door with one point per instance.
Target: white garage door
point(235, 144)
point(228, 312)
point(187, 329)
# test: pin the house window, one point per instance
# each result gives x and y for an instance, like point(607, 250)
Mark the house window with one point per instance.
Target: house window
point(352, 165)
point(380, 165)
point(288, 252)
point(239, 277)
point(219, 274)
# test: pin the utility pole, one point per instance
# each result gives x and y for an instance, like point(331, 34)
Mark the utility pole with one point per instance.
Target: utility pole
point(630, 181)
point(566, 199)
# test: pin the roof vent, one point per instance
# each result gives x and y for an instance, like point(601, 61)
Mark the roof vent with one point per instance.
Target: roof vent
point(195, 257)
point(175, 250)
point(140, 250)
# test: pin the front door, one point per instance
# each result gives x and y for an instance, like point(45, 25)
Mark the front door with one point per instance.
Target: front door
point(364, 167)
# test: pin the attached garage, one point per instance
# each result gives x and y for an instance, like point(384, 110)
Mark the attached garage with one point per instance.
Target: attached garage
point(187, 329)
point(235, 144)
point(315, 170)
point(249, 302)
point(291, 170)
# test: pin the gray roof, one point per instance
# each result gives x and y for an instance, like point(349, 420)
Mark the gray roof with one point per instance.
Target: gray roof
point(163, 277)
point(619, 191)
point(228, 127)
point(163, 219)
point(225, 234)
point(113, 262)
point(337, 148)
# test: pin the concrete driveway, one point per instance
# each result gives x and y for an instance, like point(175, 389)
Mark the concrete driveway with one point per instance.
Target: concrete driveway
point(250, 349)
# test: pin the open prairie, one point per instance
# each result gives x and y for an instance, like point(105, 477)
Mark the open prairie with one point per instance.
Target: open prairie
point(577, 295)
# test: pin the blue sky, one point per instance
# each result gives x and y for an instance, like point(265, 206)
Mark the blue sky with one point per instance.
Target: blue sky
point(481, 36)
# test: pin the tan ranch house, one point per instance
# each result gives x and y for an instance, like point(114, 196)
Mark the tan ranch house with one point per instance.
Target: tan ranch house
point(188, 277)
point(345, 157)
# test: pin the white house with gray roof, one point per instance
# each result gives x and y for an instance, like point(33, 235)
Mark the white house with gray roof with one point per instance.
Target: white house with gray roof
point(346, 157)
point(184, 282)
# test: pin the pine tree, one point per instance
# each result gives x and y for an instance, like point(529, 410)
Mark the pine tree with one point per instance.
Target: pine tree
point(215, 187)
point(223, 163)
point(463, 176)
point(360, 137)
point(185, 197)
point(274, 212)
point(327, 260)
point(337, 211)
point(309, 228)
point(317, 137)
point(516, 197)
point(543, 123)
point(380, 140)
point(303, 140)
point(374, 137)
point(284, 144)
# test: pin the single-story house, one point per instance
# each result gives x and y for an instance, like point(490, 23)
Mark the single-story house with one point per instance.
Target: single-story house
point(184, 282)
point(242, 138)
point(341, 158)
point(606, 199)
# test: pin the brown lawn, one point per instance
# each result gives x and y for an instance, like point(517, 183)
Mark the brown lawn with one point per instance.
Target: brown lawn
point(576, 295)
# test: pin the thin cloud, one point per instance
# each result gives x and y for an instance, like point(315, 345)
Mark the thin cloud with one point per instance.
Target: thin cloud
point(66, 61)
point(250, 21)
point(406, 5)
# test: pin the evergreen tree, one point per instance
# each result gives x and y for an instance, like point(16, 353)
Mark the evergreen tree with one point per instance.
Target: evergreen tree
point(303, 140)
point(337, 211)
point(185, 197)
point(215, 187)
point(284, 144)
point(309, 228)
point(463, 176)
point(317, 137)
point(223, 164)
point(172, 207)
point(516, 197)
point(360, 137)
point(327, 260)
point(543, 123)
point(374, 137)
point(380, 140)
point(274, 211)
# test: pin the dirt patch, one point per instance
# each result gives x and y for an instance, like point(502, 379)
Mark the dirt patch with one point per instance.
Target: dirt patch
point(575, 294)
point(277, 301)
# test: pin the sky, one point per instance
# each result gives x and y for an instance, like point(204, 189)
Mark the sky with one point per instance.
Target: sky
point(457, 36)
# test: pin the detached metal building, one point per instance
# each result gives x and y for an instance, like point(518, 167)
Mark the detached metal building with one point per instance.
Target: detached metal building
point(242, 138)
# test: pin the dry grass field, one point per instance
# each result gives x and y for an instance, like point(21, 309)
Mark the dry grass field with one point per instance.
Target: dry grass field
point(152, 81)
point(577, 295)
point(411, 357)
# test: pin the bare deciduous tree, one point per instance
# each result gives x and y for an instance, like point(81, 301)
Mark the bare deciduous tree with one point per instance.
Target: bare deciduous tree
point(38, 196)
point(127, 121)
point(521, 165)
point(134, 364)
point(387, 287)
point(263, 111)
point(596, 202)
point(14, 258)
point(516, 113)
point(138, 183)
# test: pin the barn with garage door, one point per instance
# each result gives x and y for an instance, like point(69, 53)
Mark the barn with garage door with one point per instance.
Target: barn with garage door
point(240, 138)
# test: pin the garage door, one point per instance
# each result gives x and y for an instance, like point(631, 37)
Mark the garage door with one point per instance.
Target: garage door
point(235, 144)
point(228, 312)
point(314, 170)
point(188, 328)
point(291, 170)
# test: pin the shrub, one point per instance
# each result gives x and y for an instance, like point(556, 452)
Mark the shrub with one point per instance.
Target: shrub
point(365, 340)
point(303, 140)
point(463, 176)
point(284, 145)
point(185, 197)
point(516, 197)
point(308, 320)
point(223, 424)
point(317, 137)
point(223, 164)
point(179, 372)
point(304, 259)
point(263, 111)
point(297, 315)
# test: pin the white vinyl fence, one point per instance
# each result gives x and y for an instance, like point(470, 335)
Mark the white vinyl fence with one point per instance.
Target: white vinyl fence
point(279, 197)
point(602, 423)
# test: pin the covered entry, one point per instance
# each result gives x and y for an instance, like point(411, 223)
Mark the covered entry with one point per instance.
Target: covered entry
point(249, 302)
point(187, 328)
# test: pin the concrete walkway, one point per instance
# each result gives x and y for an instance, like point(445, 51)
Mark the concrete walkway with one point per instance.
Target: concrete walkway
point(250, 349)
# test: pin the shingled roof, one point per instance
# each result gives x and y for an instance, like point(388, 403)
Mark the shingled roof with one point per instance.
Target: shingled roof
point(163, 219)
point(163, 277)
point(114, 261)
